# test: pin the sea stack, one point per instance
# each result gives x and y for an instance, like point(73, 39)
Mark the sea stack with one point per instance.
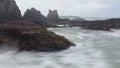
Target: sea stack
point(35, 16)
point(9, 10)
point(53, 15)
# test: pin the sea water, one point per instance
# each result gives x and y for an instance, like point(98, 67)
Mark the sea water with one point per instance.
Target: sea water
point(94, 49)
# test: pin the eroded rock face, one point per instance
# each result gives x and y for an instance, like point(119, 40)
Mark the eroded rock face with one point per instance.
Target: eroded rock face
point(34, 15)
point(53, 15)
point(9, 10)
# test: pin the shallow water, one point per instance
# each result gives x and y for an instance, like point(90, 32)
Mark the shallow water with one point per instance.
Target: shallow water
point(95, 49)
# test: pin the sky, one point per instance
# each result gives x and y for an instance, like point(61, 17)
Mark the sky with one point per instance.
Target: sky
point(81, 8)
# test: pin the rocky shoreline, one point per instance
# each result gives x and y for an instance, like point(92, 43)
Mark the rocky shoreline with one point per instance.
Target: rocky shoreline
point(27, 32)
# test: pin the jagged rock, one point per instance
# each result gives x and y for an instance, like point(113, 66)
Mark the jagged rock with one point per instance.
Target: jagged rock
point(53, 15)
point(29, 36)
point(34, 15)
point(9, 10)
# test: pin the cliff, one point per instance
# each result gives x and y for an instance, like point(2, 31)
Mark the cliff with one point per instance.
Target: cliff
point(9, 10)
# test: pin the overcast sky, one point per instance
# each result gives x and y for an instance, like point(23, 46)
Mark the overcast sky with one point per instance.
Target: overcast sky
point(82, 8)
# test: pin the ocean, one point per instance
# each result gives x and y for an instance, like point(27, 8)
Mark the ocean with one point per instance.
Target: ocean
point(94, 49)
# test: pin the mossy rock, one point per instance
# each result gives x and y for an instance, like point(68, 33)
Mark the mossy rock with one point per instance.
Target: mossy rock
point(33, 39)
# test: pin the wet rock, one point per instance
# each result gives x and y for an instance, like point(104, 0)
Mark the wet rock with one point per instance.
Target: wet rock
point(96, 25)
point(29, 36)
point(114, 22)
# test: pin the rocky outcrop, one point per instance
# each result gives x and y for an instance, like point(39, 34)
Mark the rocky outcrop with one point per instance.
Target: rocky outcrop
point(54, 20)
point(9, 10)
point(34, 15)
point(29, 36)
point(101, 24)
point(115, 22)
point(96, 25)
point(53, 15)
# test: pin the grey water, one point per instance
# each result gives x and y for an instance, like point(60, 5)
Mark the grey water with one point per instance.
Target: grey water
point(94, 49)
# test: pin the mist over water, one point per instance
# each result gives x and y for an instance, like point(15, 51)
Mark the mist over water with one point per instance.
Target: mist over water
point(95, 49)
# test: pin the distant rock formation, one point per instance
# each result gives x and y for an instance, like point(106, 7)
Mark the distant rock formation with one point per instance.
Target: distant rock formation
point(53, 15)
point(101, 24)
point(9, 10)
point(34, 15)
point(96, 25)
point(73, 18)
point(114, 22)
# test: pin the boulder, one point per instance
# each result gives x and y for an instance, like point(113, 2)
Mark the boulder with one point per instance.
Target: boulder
point(9, 10)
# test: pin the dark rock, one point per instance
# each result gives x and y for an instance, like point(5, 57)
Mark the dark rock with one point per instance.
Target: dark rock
point(9, 10)
point(96, 25)
point(53, 15)
point(54, 20)
point(35, 16)
point(101, 24)
point(29, 36)
point(115, 22)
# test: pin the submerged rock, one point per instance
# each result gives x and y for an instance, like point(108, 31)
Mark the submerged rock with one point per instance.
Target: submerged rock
point(9, 10)
point(31, 37)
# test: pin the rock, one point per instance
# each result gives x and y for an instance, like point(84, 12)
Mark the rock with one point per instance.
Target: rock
point(31, 37)
point(9, 10)
point(114, 22)
point(54, 20)
point(96, 25)
point(101, 24)
point(35, 15)
point(53, 15)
